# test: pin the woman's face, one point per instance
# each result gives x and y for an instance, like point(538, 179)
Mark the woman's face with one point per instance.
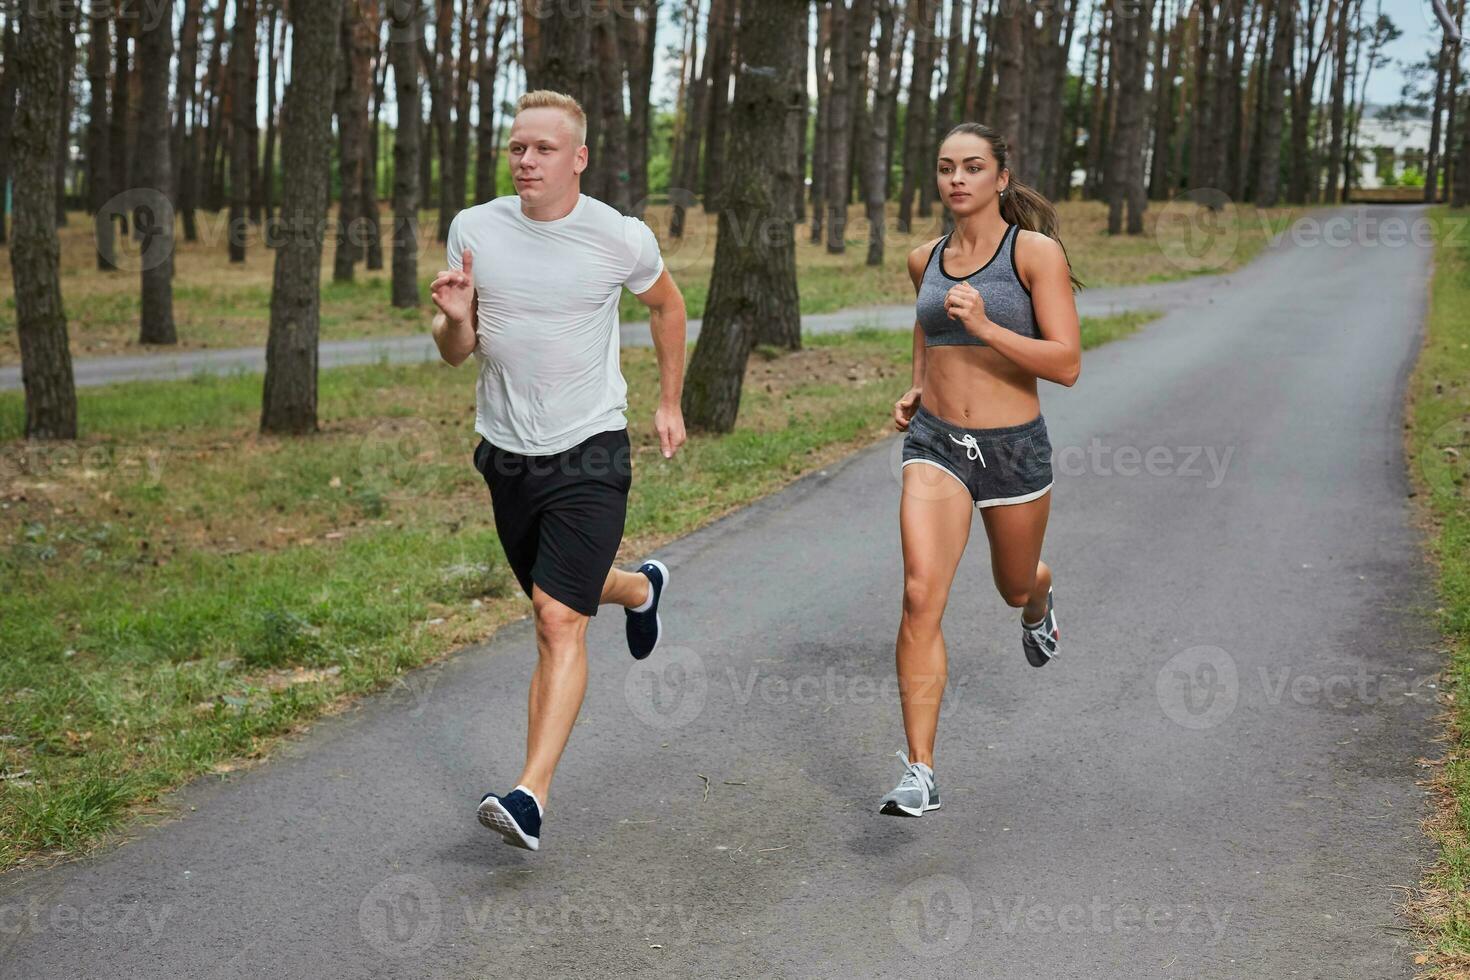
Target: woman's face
point(968, 178)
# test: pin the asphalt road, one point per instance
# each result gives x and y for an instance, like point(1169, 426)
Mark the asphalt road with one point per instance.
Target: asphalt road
point(416, 348)
point(1215, 779)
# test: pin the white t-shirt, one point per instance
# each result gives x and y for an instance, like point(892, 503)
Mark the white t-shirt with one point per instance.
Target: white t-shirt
point(547, 321)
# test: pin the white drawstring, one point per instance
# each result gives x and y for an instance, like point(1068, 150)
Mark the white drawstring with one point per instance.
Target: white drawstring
point(972, 448)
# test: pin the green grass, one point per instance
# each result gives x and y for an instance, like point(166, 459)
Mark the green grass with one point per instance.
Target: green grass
point(178, 591)
point(1439, 454)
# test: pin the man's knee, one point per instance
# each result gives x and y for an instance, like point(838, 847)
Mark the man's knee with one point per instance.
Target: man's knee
point(558, 626)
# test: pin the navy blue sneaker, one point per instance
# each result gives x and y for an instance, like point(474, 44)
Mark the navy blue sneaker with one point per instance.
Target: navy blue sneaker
point(644, 628)
point(516, 816)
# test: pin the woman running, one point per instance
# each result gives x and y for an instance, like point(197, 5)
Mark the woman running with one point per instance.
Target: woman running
point(975, 436)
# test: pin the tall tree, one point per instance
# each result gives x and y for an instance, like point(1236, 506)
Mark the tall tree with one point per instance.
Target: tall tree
point(99, 56)
point(406, 19)
point(274, 44)
point(1268, 183)
point(1125, 171)
point(353, 89)
point(916, 130)
point(63, 137)
point(820, 184)
point(117, 137)
point(486, 145)
point(8, 75)
point(439, 70)
point(754, 275)
point(462, 76)
point(721, 45)
point(609, 164)
point(155, 173)
point(184, 151)
point(289, 403)
point(639, 35)
point(242, 124)
point(370, 170)
point(35, 253)
point(839, 126)
point(876, 152)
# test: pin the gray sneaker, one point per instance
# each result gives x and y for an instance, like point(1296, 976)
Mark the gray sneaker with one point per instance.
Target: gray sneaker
point(915, 793)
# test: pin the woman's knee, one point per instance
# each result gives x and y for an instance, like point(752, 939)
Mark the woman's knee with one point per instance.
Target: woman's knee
point(923, 601)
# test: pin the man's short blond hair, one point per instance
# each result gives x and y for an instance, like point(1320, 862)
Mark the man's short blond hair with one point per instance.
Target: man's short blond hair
point(547, 99)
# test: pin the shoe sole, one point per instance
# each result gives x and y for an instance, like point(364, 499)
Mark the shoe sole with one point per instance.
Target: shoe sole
point(892, 809)
point(498, 819)
point(658, 620)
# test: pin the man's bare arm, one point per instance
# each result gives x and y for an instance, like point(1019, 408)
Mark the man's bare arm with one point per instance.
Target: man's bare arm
point(668, 322)
point(455, 340)
point(455, 326)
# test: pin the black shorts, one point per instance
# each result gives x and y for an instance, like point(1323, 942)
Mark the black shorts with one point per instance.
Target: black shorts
point(560, 517)
point(1006, 465)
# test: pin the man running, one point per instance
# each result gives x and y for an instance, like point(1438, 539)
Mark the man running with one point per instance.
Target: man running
point(532, 290)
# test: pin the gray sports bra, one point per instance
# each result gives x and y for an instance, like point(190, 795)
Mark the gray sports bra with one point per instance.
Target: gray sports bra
point(1007, 300)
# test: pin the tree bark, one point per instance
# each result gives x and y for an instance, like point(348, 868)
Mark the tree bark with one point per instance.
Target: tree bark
point(99, 183)
point(406, 18)
point(916, 123)
point(242, 121)
point(639, 34)
point(8, 75)
point(35, 253)
point(876, 151)
point(63, 138)
point(486, 147)
point(184, 149)
point(353, 89)
point(156, 220)
point(754, 277)
point(289, 405)
point(273, 48)
point(1268, 182)
point(839, 126)
point(373, 224)
point(117, 137)
point(721, 43)
point(610, 165)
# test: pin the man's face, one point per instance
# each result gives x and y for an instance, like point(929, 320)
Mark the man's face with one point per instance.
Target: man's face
point(545, 157)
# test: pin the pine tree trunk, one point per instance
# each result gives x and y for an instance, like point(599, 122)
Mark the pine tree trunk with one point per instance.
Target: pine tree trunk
point(721, 43)
point(63, 138)
point(182, 149)
point(1339, 80)
point(859, 47)
point(405, 20)
point(7, 114)
point(306, 147)
point(876, 151)
point(35, 253)
point(353, 89)
point(754, 277)
point(916, 167)
point(1010, 94)
point(1268, 183)
point(99, 182)
point(820, 184)
point(156, 221)
point(117, 136)
point(485, 143)
point(374, 228)
point(268, 167)
point(839, 101)
point(611, 166)
point(638, 40)
point(242, 52)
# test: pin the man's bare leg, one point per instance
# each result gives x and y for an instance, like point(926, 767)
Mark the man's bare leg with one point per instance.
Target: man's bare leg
point(557, 687)
point(628, 589)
